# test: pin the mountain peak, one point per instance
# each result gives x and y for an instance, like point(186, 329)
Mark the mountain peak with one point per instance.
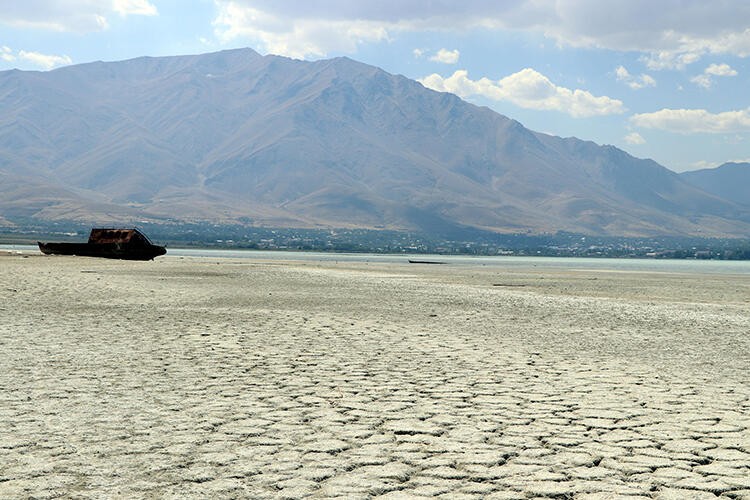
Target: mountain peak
point(235, 135)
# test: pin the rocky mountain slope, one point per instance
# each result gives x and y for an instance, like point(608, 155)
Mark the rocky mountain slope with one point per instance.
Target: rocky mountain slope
point(236, 136)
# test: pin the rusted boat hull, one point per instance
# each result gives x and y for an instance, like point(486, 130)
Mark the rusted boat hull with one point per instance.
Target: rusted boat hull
point(105, 250)
point(126, 244)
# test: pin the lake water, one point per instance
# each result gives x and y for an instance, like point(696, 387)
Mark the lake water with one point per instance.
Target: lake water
point(647, 265)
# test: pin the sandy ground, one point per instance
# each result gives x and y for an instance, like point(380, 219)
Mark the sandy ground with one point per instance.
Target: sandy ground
point(201, 378)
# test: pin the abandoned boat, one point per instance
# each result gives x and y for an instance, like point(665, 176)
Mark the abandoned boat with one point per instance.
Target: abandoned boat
point(127, 244)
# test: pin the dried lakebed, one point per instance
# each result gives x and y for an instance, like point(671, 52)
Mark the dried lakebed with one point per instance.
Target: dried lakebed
point(220, 378)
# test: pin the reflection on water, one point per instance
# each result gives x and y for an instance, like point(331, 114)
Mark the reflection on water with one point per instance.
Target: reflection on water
point(649, 265)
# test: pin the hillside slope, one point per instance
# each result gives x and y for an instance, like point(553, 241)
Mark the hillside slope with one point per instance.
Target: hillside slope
point(730, 181)
point(236, 136)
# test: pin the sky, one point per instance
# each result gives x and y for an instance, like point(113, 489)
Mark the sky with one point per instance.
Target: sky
point(661, 79)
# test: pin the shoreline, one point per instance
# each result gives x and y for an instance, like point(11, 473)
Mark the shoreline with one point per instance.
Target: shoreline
point(687, 265)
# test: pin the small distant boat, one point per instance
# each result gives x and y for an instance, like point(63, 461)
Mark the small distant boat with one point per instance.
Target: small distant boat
point(110, 243)
point(415, 261)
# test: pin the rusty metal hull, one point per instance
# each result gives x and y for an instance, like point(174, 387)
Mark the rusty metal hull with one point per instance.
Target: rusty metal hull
point(105, 250)
point(126, 244)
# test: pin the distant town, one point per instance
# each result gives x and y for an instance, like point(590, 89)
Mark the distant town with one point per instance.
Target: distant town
point(471, 242)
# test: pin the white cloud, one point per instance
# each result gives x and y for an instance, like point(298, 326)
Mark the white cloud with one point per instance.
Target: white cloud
point(6, 54)
point(676, 34)
point(660, 60)
point(720, 70)
point(634, 82)
point(527, 89)
point(691, 121)
point(82, 16)
point(134, 8)
point(418, 53)
point(446, 56)
point(294, 37)
point(704, 80)
point(635, 138)
point(644, 81)
point(45, 61)
point(702, 164)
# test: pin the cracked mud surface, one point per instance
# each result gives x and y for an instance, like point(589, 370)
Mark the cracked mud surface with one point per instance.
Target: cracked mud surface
point(201, 378)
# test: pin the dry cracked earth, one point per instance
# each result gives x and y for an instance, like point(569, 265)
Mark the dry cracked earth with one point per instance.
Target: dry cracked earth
point(201, 378)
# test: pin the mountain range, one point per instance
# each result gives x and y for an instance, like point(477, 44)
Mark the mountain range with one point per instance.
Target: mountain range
point(236, 137)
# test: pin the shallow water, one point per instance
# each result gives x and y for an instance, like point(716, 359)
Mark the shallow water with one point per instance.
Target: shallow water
point(652, 265)
point(604, 264)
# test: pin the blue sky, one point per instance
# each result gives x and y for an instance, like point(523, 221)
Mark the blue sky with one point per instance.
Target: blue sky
point(665, 79)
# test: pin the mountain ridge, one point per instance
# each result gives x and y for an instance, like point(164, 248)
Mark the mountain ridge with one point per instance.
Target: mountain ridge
point(234, 135)
point(730, 181)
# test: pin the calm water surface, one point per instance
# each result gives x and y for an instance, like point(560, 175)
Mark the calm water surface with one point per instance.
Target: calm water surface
point(649, 265)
